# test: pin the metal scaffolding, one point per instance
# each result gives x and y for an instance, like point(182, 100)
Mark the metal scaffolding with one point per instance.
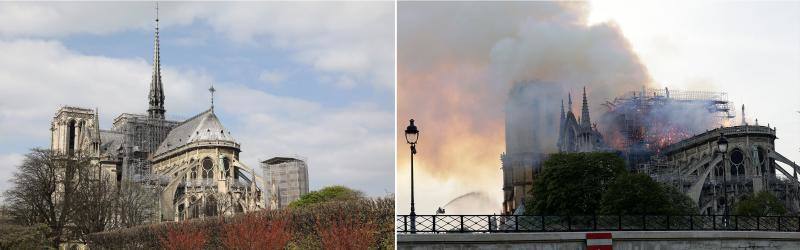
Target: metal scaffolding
point(142, 136)
point(643, 123)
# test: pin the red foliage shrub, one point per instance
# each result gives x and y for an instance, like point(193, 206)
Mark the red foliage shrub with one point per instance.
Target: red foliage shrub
point(354, 224)
point(257, 231)
point(184, 236)
point(347, 232)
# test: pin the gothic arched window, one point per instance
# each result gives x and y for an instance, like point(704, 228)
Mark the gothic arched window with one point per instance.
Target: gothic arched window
point(207, 168)
point(181, 212)
point(762, 160)
point(210, 206)
point(71, 137)
point(226, 166)
point(737, 162)
point(194, 208)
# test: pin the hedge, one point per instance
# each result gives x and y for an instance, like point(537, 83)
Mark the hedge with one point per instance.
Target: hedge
point(354, 224)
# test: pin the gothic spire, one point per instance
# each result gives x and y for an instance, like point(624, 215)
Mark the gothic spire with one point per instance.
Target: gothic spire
point(96, 133)
point(585, 121)
point(569, 102)
point(562, 110)
point(96, 124)
point(156, 96)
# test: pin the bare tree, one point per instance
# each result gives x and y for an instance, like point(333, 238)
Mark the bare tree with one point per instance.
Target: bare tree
point(44, 190)
point(135, 205)
point(95, 204)
point(74, 197)
point(102, 205)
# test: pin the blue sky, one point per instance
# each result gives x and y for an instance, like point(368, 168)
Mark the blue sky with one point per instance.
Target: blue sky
point(229, 61)
point(312, 79)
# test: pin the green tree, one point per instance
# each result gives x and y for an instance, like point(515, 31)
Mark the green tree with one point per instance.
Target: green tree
point(14, 236)
point(24, 237)
point(762, 204)
point(634, 194)
point(573, 183)
point(326, 194)
point(680, 203)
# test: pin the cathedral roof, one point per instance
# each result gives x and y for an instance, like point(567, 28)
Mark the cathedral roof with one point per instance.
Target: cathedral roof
point(111, 142)
point(202, 127)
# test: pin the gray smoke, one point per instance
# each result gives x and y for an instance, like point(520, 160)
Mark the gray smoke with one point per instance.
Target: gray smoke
point(458, 63)
point(546, 60)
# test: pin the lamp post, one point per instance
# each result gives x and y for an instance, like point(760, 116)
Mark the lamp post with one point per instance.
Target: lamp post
point(412, 134)
point(722, 148)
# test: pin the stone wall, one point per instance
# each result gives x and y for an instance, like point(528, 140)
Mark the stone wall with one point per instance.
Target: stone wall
point(632, 240)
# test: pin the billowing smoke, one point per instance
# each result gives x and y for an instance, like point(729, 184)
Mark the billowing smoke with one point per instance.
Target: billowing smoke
point(651, 120)
point(458, 63)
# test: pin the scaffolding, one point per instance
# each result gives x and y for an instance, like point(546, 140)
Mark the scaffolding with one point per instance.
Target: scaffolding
point(644, 122)
point(141, 136)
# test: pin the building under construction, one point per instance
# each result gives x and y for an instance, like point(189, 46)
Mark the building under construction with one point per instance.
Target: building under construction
point(671, 136)
point(643, 123)
point(139, 137)
point(191, 166)
point(285, 180)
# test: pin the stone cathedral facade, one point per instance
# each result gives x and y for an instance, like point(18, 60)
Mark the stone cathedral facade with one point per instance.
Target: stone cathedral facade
point(524, 150)
point(579, 134)
point(193, 165)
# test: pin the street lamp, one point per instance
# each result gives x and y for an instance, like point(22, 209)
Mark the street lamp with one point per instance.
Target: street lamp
point(722, 148)
point(412, 134)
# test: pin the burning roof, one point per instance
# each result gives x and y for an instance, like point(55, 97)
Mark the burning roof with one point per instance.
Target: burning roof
point(653, 119)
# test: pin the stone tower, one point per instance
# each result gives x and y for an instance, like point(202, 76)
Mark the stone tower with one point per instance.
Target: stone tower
point(74, 129)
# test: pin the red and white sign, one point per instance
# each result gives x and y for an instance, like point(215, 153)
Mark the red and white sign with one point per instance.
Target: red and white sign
point(598, 241)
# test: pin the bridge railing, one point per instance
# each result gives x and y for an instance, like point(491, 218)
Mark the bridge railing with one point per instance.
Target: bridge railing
point(584, 223)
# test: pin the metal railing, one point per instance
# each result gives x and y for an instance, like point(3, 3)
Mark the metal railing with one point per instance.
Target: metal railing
point(583, 223)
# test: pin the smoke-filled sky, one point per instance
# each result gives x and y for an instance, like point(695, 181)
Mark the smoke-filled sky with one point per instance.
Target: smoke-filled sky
point(458, 61)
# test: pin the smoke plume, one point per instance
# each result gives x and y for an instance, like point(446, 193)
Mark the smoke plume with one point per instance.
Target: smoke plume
point(459, 62)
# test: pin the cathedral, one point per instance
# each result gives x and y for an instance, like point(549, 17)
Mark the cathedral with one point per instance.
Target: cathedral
point(193, 164)
point(525, 147)
point(579, 134)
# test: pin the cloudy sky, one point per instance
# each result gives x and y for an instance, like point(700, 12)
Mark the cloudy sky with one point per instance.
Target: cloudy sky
point(308, 79)
point(457, 61)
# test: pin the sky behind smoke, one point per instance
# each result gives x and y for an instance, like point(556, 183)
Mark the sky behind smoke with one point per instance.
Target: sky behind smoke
point(320, 86)
point(456, 63)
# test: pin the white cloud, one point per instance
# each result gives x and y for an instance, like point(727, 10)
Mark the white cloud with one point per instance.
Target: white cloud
point(57, 19)
point(353, 39)
point(8, 164)
point(39, 76)
point(272, 77)
point(352, 146)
